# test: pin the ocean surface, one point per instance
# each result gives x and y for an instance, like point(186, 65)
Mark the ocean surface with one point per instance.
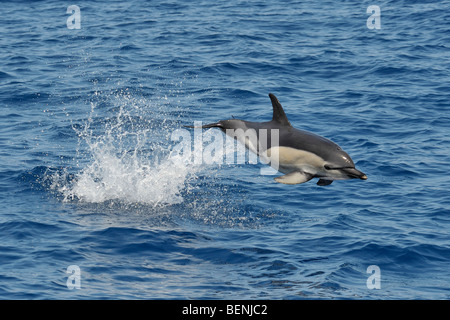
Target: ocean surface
point(94, 204)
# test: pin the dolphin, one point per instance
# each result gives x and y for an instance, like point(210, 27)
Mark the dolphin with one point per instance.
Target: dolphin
point(299, 154)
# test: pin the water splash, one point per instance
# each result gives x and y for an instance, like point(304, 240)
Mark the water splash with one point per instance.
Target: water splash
point(127, 160)
point(126, 156)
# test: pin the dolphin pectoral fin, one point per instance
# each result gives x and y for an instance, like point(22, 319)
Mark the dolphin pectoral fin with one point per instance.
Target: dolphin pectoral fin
point(323, 182)
point(295, 177)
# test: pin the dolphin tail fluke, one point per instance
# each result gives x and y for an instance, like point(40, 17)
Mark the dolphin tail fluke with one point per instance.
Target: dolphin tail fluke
point(207, 126)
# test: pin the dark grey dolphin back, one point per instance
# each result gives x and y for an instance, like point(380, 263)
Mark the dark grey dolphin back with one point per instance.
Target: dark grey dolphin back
point(300, 139)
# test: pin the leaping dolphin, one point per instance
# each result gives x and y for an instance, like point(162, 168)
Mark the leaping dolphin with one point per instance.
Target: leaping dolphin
point(301, 155)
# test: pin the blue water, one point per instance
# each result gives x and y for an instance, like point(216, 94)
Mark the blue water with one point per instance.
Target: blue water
point(86, 123)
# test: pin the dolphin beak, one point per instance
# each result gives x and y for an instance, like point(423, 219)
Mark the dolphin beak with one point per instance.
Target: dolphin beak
point(354, 173)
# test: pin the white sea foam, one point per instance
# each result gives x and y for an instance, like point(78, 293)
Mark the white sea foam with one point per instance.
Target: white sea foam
point(126, 157)
point(130, 179)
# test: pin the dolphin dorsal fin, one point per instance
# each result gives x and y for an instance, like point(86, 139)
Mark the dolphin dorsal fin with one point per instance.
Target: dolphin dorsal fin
point(278, 112)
